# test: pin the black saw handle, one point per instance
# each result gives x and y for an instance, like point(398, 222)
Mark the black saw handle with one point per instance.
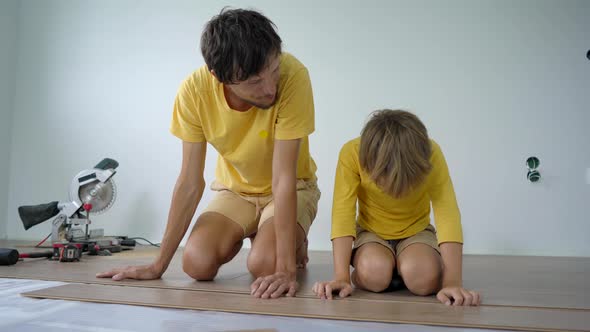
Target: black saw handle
point(32, 215)
point(107, 163)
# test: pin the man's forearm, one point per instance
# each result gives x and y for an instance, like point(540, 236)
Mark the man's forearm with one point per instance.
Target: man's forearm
point(285, 220)
point(185, 200)
point(452, 256)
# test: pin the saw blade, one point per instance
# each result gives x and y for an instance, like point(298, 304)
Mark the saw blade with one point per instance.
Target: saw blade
point(100, 194)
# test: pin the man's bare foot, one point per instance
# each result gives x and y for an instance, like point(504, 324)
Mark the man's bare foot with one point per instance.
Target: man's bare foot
point(302, 257)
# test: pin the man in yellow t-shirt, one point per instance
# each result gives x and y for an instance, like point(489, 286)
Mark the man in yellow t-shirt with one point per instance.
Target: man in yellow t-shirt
point(393, 173)
point(254, 104)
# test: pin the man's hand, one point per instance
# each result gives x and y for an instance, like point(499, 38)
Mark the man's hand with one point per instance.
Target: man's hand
point(458, 296)
point(143, 272)
point(325, 289)
point(185, 198)
point(275, 285)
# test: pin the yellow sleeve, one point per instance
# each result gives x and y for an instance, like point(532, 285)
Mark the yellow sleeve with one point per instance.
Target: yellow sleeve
point(296, 111)
point(346, 186)
point(186, 123)
point(444, 203)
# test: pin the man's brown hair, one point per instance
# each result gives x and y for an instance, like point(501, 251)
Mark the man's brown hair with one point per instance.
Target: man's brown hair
point(237, 44)
point(395, 151)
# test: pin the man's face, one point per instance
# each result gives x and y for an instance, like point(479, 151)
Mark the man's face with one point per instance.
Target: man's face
point(259, 90)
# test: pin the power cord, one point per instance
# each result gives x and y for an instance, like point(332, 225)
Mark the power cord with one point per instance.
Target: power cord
point(146, 240)
point(38, 245)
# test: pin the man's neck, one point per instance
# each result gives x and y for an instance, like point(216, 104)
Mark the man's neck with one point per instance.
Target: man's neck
point(234, 102)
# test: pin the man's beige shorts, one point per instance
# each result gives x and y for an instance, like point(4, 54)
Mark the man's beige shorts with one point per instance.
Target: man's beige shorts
point(427, 236)
point(251, 212)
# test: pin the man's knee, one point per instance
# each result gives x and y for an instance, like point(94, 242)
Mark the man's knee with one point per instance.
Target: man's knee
point(201, 265)
point(261, 263)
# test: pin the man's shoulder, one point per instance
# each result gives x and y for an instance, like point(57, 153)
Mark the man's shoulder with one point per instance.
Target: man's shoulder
point(290, 65)
point(199, 81)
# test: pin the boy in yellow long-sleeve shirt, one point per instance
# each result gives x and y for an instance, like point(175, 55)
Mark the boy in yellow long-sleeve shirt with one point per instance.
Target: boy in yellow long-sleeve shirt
point(394, 172)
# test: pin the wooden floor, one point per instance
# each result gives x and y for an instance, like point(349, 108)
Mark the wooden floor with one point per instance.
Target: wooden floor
point(519, 293)
point(512, 318)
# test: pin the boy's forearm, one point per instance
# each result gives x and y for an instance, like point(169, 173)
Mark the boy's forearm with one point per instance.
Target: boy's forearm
point(452, 256)
point(342, 251)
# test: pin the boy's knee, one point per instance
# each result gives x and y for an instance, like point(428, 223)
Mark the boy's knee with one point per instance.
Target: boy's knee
point(421, 279)
point(373, 275)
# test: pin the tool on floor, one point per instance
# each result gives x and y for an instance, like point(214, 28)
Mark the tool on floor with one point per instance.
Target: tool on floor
point(92, 191)
point(11, 256)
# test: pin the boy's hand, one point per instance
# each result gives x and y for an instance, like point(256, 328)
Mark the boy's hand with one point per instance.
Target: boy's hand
point(325, 289)
point(274, 285)
point(458, 296)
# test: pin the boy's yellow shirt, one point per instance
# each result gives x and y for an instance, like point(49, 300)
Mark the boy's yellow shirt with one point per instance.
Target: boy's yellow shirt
point(386, 216)
point(245, 140)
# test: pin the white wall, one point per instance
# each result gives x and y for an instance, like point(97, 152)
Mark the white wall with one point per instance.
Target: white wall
point(8, 34)
point(494, 81)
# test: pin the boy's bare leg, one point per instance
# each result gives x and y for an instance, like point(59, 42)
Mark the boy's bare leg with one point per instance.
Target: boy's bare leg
point(373, 267)
point(420, 266)
point(214, 241)
point(262, 256)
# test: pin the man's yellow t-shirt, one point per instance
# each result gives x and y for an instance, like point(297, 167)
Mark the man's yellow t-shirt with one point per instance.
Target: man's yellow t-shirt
point(245, 140)
point(388, 217)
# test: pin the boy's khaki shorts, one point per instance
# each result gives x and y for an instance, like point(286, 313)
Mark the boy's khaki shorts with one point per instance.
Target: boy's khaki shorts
point(251, 212)
point(427, 236)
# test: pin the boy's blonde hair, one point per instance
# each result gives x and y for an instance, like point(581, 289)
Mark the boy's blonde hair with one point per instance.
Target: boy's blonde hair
point(395, 151)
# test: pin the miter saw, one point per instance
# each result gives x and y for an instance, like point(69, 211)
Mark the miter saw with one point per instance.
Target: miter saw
point(92, 191)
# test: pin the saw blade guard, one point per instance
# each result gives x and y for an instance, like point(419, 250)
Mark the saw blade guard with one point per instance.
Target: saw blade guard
point(94, 186)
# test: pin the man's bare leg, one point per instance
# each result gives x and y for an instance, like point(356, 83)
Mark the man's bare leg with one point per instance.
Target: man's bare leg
point(262, 256)
point(214, 241)
point(301, 254)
